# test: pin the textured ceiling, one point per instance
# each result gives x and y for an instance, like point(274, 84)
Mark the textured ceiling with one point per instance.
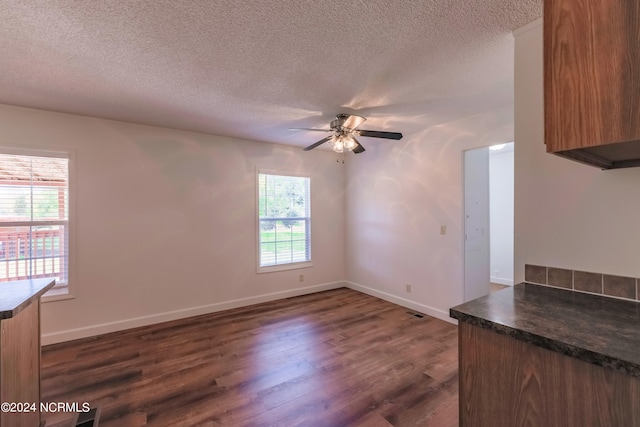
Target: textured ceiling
point(253, 69)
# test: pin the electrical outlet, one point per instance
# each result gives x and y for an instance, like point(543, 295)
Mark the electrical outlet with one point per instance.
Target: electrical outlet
point(408, 288)
point(301, 278)
point(443, 230)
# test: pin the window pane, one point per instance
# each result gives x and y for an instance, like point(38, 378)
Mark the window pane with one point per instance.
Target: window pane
point(49, 203)
point(33, 251)
point(284, 213)
point(267, 254)
point(267, 230)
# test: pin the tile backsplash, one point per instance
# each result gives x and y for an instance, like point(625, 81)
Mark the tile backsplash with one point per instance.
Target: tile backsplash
point(582, 281)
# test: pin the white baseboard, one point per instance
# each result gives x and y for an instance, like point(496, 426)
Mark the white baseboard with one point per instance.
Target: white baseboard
point(105, 328)
point(502, 281)
point(431, 311)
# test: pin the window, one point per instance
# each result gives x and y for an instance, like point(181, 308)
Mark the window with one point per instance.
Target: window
point(284, 218)
point(34, 218)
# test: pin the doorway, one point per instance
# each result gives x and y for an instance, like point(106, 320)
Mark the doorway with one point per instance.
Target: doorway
point(488, 219)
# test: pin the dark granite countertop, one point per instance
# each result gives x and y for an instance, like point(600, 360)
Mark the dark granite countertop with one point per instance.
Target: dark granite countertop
point(599, 330)
point(15, 296)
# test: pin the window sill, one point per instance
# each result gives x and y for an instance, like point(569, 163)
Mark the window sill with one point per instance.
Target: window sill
point(59, 294)
point(283, 267)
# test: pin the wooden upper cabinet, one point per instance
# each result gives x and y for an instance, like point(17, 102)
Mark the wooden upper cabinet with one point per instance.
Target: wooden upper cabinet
point(592, 81)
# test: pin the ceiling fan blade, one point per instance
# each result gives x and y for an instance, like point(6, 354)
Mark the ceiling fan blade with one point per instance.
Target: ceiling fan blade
point(378, 134)
point(352, 121)
point(322, 141)
point(359, 148)
point(313, 129)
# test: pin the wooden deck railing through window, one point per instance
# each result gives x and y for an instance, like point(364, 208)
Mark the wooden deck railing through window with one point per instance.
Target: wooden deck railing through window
point(26, 253)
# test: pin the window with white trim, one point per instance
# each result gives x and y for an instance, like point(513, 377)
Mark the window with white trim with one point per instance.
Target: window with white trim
point(34, 218)
point(284, 221)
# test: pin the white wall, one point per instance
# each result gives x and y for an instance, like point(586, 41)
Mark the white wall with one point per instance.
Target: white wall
point(165, 221)
point(566, 214)
point(501, 206)
point(398, 196)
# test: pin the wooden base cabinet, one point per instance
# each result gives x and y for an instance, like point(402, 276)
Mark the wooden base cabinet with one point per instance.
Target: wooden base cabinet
point(20, 367)
point(506, 382)
point(20, 351)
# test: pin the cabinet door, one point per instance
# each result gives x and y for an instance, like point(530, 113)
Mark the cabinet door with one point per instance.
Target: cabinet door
point(505, 382)
point(591, 72)
point(20, 366)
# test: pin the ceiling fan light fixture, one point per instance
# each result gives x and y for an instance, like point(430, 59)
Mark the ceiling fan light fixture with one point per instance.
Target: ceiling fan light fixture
point(337, 144)
point(349, 143)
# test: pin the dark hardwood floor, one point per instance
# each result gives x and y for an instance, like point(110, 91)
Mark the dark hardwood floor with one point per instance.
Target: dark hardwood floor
point(335, 358)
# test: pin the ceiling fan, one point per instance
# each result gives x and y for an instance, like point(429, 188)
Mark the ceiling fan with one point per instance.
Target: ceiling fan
point(345, 129)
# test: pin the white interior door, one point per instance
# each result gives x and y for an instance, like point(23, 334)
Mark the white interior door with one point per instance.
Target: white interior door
point(476, 216)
